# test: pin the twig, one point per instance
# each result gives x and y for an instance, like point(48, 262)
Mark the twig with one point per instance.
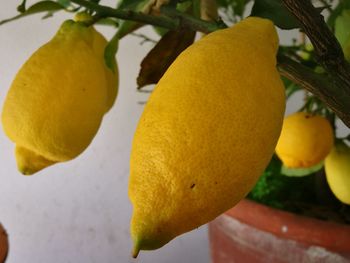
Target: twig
point(327, 48)
point(321, 86)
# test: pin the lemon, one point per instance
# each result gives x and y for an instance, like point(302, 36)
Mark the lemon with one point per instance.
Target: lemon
point(337, 166)
point(57, 100)
point(207, 132)
point(305, 140)
point(99, 44)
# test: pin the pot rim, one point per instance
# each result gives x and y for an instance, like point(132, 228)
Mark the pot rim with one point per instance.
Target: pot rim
point(310, 231)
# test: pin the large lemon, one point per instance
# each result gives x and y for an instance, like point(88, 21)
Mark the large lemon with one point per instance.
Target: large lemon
point(207, 132)
point(58, 98)
point(337, 166)
point(305, 140)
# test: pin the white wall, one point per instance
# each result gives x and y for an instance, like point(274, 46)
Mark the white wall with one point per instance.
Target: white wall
point(78, 211)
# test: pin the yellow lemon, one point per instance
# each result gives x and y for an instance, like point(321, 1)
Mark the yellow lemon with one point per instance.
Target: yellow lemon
point(57, 100)
point(99, 45)
point(305, 140)
point(207, 132)
point(337, 166)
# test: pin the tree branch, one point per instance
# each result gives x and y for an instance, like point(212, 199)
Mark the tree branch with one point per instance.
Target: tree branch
point(321, 86)
point(327, 48)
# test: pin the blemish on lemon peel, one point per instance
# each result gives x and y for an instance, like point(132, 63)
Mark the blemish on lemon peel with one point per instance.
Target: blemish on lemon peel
point(211, 91)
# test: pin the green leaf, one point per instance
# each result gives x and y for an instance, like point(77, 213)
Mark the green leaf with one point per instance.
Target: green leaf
point(298, 172)
point(161, 31)
point(43, 6)
point(275, 11)
point(22, 7)
point(107, 22)
point(196, 6)
point(290, 86)
point(111, 51)
point(270, 184)
point(291, 89)
point(342, 27)
point(343, 4)
point(65, 3)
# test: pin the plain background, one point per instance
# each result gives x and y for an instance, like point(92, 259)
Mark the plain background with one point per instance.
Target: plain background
point(79, 211)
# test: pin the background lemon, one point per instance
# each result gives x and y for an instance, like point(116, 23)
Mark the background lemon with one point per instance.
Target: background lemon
point(337, 166)
point(305, 140)
point(206, 134)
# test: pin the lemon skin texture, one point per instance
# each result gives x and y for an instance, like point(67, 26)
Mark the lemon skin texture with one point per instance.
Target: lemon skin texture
point(99, 45)
point(305, 140)
point(57, 100)
point(207, 132)
point(337, 166)
point(112, 76)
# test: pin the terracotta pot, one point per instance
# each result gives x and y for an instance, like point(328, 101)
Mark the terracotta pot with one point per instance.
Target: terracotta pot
point(3, 244)
point(251, 232)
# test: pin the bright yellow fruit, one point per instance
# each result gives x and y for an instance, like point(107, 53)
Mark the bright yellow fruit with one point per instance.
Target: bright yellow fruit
point(207, 132)
point(57, 100)
point(337, 166)
point(99, 45)
point(305, 140)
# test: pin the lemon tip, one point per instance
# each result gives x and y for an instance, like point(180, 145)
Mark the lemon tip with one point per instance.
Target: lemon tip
point(135, 251)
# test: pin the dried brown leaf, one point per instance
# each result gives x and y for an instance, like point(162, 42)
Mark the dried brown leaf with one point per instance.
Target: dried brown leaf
point(163, 54)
